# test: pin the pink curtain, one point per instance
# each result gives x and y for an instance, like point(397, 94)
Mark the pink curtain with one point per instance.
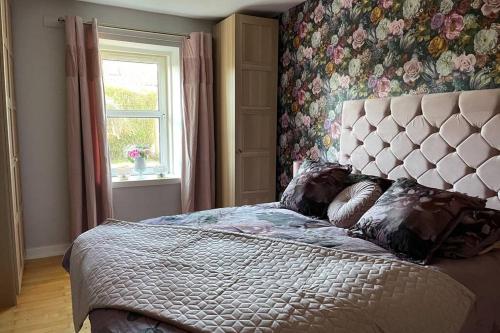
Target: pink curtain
point(198, 155)
point(89, 174)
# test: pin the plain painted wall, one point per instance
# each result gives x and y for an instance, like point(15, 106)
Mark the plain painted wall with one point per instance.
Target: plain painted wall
point(137, 203)
point(41, 108)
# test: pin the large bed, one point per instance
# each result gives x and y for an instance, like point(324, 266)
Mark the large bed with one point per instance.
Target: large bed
point(265, 268)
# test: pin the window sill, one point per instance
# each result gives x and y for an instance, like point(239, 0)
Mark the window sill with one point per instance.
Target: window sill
point(146, 180)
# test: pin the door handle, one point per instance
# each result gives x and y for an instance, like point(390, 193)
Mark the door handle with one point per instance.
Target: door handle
point(239, 151)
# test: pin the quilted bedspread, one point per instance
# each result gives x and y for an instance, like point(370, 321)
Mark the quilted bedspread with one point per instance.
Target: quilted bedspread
point(204, 280)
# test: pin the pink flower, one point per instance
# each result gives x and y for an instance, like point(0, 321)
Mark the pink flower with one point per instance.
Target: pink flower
point(314, 153)
point(453, 25)
point(383, 87)
point(284, 120)
point(303, 29)
point(306, 120)
point(346, 3)
point(358, 38)
point(286, 58)
point(335, 129)
point(319, 12)
point(298, 120)
point(490, 8)
point(396, 27)
point(412, 69)
point(317, 85)
point(301, 95)
point(465, 63)
point(344, 81)
point(134, 153)
point(338, 54)
point(308, 52)
point(386, 3)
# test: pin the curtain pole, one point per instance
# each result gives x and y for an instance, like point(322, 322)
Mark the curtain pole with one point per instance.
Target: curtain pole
point(61, 19)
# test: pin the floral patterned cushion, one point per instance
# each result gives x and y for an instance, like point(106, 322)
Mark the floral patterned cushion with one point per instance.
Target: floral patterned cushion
point(315, 186)
point(477, 232)
point(412, 220)
point(352, 178)
point(383, 183)
point(308, 164)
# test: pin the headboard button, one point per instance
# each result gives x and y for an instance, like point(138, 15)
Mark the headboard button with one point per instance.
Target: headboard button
point(491, 193)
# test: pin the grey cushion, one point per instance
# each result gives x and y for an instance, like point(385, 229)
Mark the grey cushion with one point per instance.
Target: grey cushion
point(477, 232)
point(412, 220)
point(350, 204)
point(311, 191)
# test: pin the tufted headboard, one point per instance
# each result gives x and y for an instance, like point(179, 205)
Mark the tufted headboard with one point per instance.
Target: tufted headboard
point(447, 141)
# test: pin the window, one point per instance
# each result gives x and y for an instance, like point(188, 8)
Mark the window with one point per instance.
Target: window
point(142, 102)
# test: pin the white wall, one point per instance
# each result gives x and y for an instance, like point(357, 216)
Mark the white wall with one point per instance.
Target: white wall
point(40, 84)
point(137, 203)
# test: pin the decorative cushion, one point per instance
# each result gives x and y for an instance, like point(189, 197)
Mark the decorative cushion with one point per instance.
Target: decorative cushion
point(315, 186)
point(350, 204)
point(412, 220)
point(307, 164)
point(477, 232)
point(383, 183)
point(352, 178)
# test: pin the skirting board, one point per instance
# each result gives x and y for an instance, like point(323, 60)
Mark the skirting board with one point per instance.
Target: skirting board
point(46, 251)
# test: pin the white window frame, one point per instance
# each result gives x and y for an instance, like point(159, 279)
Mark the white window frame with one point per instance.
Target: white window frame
point(168, 60)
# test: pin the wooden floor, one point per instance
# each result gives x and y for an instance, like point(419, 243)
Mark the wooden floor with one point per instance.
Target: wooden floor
point(45, 301)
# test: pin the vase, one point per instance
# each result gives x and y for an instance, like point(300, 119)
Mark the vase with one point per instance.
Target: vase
point(140, 165)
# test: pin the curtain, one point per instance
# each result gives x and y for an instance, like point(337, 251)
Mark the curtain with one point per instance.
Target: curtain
point(198, 154)
point(88, 167)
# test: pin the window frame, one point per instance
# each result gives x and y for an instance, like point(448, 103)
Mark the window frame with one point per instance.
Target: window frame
point(164, 113)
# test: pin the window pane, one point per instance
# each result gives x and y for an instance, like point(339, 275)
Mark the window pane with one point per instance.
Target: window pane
point(130, 85)
point(125, 134)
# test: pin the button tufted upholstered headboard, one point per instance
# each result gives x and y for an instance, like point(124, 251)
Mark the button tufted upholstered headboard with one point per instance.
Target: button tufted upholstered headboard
point(448, 141)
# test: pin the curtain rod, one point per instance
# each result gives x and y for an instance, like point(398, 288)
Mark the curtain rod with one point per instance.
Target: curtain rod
point(61, 19)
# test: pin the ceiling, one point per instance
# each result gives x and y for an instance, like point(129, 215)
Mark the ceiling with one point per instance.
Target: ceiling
point(205, 9)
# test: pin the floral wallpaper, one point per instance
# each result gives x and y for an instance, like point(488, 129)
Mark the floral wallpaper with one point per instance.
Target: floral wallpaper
point(336, 50)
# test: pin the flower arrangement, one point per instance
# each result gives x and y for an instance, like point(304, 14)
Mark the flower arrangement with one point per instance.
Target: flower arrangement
point(133, 152)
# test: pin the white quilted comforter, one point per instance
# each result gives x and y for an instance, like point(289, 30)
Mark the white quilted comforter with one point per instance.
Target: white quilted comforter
point(211, 281)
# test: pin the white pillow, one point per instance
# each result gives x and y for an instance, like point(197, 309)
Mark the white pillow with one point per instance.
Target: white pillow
point(350, 204)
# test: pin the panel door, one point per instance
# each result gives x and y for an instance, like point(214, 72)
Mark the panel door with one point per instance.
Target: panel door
point(256, 116)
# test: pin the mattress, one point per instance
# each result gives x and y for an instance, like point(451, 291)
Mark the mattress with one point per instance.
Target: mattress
point(477, 274)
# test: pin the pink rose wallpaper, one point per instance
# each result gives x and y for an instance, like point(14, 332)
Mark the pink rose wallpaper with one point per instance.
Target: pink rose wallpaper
point(337, 50)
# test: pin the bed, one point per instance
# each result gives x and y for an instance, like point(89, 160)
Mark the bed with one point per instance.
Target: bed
point(320, 278)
